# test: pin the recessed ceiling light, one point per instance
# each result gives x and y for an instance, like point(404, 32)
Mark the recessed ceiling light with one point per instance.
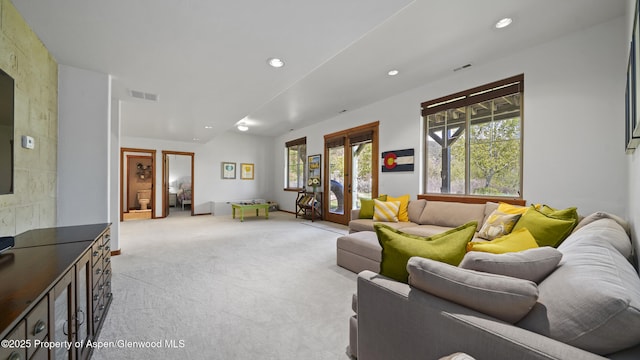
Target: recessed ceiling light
point(243, 127)
point(393, 72)
point(503, 23)
point(275, 62)
point(208, 127)
point(196, 139)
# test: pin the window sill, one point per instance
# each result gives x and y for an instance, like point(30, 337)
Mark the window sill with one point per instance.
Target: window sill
point(293, 189)
point(473, 199)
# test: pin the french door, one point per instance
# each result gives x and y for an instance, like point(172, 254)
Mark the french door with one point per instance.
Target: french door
point(352, 170)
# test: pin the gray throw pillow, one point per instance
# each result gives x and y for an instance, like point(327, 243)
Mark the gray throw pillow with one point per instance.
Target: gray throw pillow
point(532, 264)
point(505, 298)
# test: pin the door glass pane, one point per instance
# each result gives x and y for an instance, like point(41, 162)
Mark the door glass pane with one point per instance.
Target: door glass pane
point(337, 179)
point(361, 169)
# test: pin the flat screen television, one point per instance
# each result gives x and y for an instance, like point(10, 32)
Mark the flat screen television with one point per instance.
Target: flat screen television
point(6, 133)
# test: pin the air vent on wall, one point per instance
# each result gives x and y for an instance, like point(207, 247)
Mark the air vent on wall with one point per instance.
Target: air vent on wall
point(143, 95)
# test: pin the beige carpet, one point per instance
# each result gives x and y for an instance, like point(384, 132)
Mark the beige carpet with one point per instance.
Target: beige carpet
point(215, 288)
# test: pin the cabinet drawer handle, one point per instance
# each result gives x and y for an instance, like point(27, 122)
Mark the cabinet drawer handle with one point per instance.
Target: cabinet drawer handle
point(100, 247)
point(98, 271)
point(108, 283)
point(107, 271)
point(39, 327)
point(97, 318)
point(14, 356)
point(107, 260)
point(107, 248)
point(101, 307)
point(79, 320)
point(96, 253)
point(110, 295)
point(108, 237)
point(96, 297)
point(100, 287)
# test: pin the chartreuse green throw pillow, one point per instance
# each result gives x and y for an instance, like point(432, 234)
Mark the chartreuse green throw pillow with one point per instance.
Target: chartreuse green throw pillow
point(570, 213)
point(548, 231)
point(366, 207)
point(397, 247)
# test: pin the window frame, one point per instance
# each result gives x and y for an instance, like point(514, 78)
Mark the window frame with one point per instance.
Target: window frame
point(476, 95)
point(301, 168)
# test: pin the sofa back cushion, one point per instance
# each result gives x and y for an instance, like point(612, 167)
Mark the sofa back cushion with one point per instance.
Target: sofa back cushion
point(592, 300)
point(415, 209)
point(451, 214)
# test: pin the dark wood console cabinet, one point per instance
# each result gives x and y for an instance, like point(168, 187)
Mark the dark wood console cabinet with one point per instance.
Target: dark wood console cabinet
point(55, 286)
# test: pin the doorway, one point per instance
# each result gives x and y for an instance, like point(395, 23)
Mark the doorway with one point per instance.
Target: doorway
point(137, 184)
point(352, 170)
point(177, 183)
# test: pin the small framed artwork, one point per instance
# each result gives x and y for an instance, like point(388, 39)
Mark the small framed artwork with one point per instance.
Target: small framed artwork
point(246, 171)
point(314, 163)
point(228, 170)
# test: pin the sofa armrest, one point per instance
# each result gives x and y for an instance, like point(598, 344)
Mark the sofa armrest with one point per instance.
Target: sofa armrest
point(396, 321)
point(355, 214)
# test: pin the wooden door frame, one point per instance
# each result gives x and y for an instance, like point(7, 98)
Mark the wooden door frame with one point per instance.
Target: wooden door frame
point(374, 128)
point(165, 192)
point(152, 154)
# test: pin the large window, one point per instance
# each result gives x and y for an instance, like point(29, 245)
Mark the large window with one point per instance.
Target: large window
point(296, 160)
point(474, 140)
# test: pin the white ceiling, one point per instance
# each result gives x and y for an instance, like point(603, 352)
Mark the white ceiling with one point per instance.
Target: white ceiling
point(206, 59)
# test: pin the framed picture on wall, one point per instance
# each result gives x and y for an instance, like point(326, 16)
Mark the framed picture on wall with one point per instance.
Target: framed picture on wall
point(228, 170)
point(314, 165)
point(246, 171)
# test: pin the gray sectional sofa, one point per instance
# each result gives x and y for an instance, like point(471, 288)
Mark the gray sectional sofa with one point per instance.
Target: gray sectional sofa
point(588, 307)
point(360, 250)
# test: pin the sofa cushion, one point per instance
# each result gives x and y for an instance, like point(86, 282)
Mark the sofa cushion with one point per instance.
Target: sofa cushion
point(516, 241)
point(452, 214)
point(570, 213)
point(609, 230)
point(366, 207)
point(415, 208)
point(603, 215)
point(425, 230)
point(385, 210)
point(363, 243)
point(547, 231)
point(532, 264)
point(498, 224)
point(367, 225)
point(403, 214)
point(592, 300)
point(503, 297)
point(512, 209)
point(398, 247)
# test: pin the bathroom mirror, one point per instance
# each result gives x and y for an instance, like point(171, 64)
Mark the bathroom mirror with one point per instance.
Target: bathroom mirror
point(6, 133)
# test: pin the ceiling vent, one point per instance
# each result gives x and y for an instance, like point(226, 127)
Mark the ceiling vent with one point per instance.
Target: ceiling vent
point(144, 96)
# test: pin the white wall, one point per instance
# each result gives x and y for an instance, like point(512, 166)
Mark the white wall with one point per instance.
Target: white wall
point(573, 113)
point(84, 107)
point(207, 182)
point(114, 175)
